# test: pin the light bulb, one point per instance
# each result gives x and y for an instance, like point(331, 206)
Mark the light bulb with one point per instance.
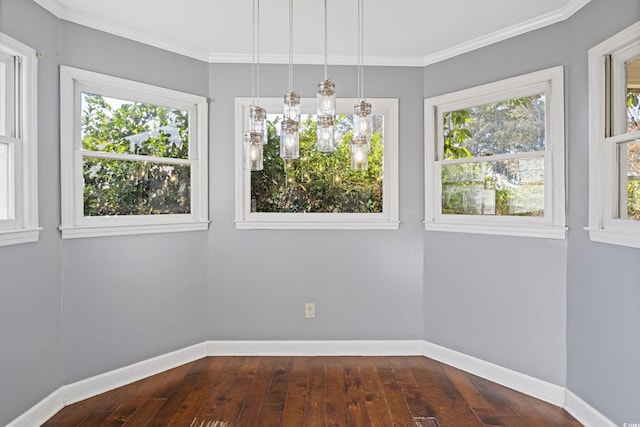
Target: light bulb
point(324, 133)
point(359, 153)
point(289, 139)
point(253, 151)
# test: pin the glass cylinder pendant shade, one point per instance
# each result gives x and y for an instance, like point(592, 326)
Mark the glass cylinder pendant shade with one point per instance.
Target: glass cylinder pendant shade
point(258, 121)
point(363, 120)
point(324, 134)
point(253, 151)
point(359, 153)
point(289, 139)
point(326, 99)
point(292, 106)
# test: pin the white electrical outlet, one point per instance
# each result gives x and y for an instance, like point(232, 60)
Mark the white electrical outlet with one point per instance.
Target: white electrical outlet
point(310, 310)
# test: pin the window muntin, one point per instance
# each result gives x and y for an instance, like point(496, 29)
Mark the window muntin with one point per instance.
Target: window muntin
point(318, 182)
point(494, 158)
point(369, 217)
point(18, 143)
point(133, 157)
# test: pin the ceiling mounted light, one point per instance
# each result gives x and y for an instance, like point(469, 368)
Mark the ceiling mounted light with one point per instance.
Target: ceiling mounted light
point(254, 139)
point(325, 104)
point(289, 136)
point(362, 118)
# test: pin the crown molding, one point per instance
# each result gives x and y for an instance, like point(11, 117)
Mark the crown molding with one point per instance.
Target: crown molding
point(536, 23)
point(550, 18)
point(80, 18)
point(382, 61)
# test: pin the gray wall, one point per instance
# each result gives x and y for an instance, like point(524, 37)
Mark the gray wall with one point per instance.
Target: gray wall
point(125, 299)
point(366, 284)
point(565, 311)
point(30, 346)
point(509, 304)
point(603, 285)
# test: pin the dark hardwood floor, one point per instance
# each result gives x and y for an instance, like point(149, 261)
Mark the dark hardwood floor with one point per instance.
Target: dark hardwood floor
point(312, 391)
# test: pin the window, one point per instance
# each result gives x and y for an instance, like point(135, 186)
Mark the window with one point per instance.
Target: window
point(18, 143)
point(133, 157)
point(494, 158)
point(319, 190)
point(614, 139)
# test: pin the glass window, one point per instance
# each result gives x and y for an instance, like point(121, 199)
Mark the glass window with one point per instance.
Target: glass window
point(614, 139)
point(318, 182)
point(138, 163)
point(18, 143)
point(320, 190)
point(490, 164)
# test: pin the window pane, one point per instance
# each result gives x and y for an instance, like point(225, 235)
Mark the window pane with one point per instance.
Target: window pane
point(509, 187)
point(318, 182)
point(633, 95)
point(118, 187)
point(631, 176)
point(4, 181)
point(119, 126)
point(7, 95)
point(511, 126)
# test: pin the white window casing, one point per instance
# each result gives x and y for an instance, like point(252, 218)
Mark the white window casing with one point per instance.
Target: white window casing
point(607, 220)
point(388, 219)
point(73, 82)
point(20, 224)
point(551, 224)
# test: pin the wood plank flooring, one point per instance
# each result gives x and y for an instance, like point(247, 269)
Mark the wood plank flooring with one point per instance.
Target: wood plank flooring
point(312, 391)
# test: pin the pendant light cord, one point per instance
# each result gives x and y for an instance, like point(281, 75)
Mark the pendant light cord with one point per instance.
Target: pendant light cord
point(253, 53)
point(325, 40)
point(290, 46)
point(258, 55)
point(360, 49)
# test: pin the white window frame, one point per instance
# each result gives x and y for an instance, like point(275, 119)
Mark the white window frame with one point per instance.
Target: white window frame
point(23, 150)
point(388, 219)
point(73, 82)
point(604, 224)
point(552, 224)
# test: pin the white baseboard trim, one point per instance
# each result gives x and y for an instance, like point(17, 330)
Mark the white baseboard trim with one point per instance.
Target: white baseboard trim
point(585, 413)
point(526, 384)
point(89, 387)
point(74, 392)
point(93, 386)
point(315, 348)
point(40, 412)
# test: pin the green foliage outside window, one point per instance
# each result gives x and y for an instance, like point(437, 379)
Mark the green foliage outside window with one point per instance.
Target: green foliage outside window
point(134, 187)
point(318, 182)
point(504, 187)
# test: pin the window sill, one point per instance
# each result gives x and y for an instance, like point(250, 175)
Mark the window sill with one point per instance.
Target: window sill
point(628, 238)
point(539, 232)
point(378, 224)
point(80, 232)
point(16, 237)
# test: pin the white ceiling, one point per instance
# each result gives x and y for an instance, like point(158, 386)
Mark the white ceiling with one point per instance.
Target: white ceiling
point(398, 32)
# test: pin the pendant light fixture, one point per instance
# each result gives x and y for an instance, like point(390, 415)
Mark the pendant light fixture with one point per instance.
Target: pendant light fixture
point(362, 118)
point(254, 139)
point(289, 136)
point(325, 104)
